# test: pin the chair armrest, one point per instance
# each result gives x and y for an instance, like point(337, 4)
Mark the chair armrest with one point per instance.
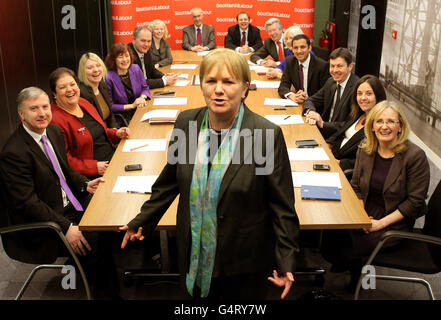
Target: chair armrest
point(30, 226)
point(410, 235)
point(120, 117)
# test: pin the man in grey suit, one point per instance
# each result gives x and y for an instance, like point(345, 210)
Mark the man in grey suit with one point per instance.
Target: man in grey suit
point(198, 36)
point(330, 107)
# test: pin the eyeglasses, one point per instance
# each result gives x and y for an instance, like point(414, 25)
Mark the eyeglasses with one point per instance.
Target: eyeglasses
point(388, 123)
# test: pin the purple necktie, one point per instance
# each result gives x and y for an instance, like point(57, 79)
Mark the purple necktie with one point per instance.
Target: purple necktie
point(64, 185)
point(301, 76)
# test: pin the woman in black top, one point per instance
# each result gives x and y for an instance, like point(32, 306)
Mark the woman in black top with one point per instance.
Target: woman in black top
point(91, 73)
point(344, 143)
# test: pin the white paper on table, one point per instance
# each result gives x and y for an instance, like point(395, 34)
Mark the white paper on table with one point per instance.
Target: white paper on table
point(279, 102)
point(266, 84)
point(160, 113)
point(306, 154)
point(183, 76)
point(144, 145)
point(281, 119)
point(181, 83)
point(203, 53)
point(170, 101)
point(139, 184)
point(321, 179)
point(258, 68)
point(183, 66)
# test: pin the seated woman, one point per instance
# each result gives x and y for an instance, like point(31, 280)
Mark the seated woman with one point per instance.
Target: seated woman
point(89, 143)
point(125, 81)
point(368, 91)
point(160, 50)
point(236, 219)
point(290, 33)
point(91, 73)
point(391, 177)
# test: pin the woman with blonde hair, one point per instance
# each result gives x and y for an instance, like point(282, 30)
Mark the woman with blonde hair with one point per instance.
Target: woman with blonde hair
point(391, 176)
point(236, 223)
point(160, 50)
point(93, 88)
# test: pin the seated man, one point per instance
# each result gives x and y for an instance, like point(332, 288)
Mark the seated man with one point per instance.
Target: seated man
point(142, 41)
point(198, 36)
point(330, 107)
point(243, 37)
point(40, 186)
point(306, 72)
point(272, 46)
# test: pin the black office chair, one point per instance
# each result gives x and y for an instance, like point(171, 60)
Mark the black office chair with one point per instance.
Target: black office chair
point(321, 52)
point(419, 251)
point(15, 247)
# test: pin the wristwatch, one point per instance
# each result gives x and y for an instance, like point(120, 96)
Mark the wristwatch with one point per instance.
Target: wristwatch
point(84, 187)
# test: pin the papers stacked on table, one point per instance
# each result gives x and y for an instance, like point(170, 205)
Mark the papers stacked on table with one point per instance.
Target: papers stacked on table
point(134, 184)
point(285, 119)
point(266, 84)
point(323, 179)
point(161, 115)
point(183, 66)
point(280, 102)
point(305, 154)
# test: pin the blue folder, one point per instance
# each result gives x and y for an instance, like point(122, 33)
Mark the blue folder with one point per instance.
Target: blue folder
point(320, 193)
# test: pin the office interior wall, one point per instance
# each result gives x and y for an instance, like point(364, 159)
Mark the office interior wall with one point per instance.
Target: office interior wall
point(33, 43)
point(321, 16)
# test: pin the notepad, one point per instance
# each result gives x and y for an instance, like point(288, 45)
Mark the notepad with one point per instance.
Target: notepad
point(183, 76)
point(285, 119)
point(280, 102)
point(181, 83)
point(144, 145)
point(324, 179)
point(266, 84)
point(160, 114)
point(307, 154)
point(139, 184)
point(183, 66)
point(320, 193)
point(180, 101)
point(203, 53)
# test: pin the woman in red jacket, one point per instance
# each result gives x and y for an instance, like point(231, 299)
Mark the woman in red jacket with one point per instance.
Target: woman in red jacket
point(89, 143)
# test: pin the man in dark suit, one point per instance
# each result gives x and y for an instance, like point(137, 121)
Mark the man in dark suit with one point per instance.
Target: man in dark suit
point(306, 72)
point(243, 37)
point(330, 107)
point(142, 41)
point(272, 46)
point(198, 36)
point(40, 186)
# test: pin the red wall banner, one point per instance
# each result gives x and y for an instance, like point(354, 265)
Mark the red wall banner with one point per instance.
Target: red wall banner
point(128, 14)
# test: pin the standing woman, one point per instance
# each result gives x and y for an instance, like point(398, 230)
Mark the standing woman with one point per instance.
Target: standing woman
point(236, 219)
point(368, 91)
point(89, 143)
point(160, 50)
point(125, 81)
point(91, 73)
point(391, 176)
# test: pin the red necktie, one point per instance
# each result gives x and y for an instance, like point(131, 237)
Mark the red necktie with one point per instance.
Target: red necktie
point(242, 42)
point(199, 37)
point(281, 55)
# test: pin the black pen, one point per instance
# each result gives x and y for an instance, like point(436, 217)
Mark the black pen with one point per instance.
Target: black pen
point(287, 117)
point(279, 108)
point(140, 192)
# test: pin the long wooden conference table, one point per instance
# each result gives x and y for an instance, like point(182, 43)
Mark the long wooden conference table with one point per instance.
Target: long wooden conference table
point(108, 210)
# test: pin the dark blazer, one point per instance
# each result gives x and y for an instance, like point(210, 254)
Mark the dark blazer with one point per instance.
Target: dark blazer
point(234, 35)
point(405, 187)
point(269, 48)
point(256, 219)
point(161, 56)
point(322, 100)
point(189, 37)
point(348, 152)
point(318, 73)
point(87, 93)
point(33, 188)
point(154, 76)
